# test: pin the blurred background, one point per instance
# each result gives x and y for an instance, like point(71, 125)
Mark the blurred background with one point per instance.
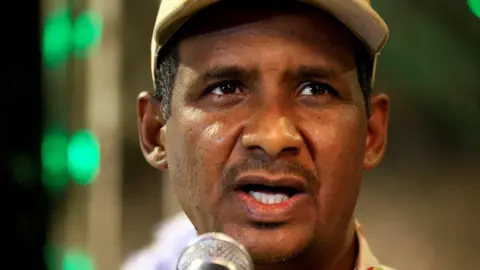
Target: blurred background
point(420, 209)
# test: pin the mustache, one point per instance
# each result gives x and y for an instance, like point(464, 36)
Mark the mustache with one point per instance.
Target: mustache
point(260, 163)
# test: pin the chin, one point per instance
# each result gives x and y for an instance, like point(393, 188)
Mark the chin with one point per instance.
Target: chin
point(272, 244)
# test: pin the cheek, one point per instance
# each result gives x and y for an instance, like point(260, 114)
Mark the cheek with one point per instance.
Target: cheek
point(338, 137)
point(183, 158)
point(195, 147)
point(339, 146)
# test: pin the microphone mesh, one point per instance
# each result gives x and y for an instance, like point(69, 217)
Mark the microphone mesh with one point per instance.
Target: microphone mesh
point(215, 246)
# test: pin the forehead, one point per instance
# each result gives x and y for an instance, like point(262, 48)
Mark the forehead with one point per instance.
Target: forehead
point(230, 28)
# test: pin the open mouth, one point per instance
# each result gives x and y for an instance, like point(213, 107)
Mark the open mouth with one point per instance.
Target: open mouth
point(269, 194)
point(271, 199)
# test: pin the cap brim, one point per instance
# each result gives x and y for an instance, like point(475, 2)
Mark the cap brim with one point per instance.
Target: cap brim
point(358, 16)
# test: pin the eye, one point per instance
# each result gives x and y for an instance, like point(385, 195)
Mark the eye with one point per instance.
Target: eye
point(316, 89)
point(225, 88)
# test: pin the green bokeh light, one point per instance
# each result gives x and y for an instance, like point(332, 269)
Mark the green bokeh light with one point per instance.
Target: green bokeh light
point(77, 260)
point(474, 7)
point(87, 31)
point(83, 157)
point(63, 35)
point(54, 159)
point(57, 38)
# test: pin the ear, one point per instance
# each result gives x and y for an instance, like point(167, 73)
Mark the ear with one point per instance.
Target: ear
point(151, 131)
point(376, 142)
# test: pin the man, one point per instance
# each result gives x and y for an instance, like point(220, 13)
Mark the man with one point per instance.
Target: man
point(264, 117)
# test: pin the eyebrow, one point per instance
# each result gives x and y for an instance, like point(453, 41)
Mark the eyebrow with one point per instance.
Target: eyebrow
point(226, 73)
point(309, 73)
point(233, 72)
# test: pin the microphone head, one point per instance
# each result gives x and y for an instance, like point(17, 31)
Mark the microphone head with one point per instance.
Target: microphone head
point(215, 249)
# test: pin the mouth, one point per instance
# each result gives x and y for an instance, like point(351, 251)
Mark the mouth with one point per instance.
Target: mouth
point(269, 195)
point(271, 200)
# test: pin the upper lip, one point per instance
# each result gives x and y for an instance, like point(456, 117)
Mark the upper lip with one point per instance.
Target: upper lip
point(297, 183)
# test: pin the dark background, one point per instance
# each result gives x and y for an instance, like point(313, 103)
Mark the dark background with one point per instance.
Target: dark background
point(24, 204)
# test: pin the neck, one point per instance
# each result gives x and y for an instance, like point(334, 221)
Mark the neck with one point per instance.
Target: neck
point(340, 257)
point(347, 258)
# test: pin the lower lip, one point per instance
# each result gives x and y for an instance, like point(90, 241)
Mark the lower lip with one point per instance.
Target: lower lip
point(271, 213)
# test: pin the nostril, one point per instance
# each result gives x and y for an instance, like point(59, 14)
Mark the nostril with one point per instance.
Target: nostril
point(290, 151)
point(261, 153)
point(254, 148)
point(257, 152)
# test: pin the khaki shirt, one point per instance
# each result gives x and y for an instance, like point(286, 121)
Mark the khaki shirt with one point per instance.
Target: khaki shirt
point(174, 234)
point(366, 260)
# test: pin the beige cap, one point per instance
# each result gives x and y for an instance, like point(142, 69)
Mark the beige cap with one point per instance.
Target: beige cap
point(357, 15)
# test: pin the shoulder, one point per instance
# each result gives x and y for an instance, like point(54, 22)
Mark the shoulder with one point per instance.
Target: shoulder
point(170, 239)
point(382, 267)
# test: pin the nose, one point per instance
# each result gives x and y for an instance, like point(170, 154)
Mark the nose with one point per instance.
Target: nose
point(275, 138)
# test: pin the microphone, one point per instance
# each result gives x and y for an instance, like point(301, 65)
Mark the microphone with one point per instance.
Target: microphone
point(214, 251)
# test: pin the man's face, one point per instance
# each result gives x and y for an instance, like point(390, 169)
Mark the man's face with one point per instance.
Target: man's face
point(268, 133)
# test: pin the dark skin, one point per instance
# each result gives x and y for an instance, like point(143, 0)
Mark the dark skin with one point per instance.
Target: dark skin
point(273, 95)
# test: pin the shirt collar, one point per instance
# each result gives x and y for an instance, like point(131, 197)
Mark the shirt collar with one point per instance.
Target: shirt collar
point(365, 258)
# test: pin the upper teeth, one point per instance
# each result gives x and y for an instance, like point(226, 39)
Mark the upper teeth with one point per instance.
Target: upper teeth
point(268, 198)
